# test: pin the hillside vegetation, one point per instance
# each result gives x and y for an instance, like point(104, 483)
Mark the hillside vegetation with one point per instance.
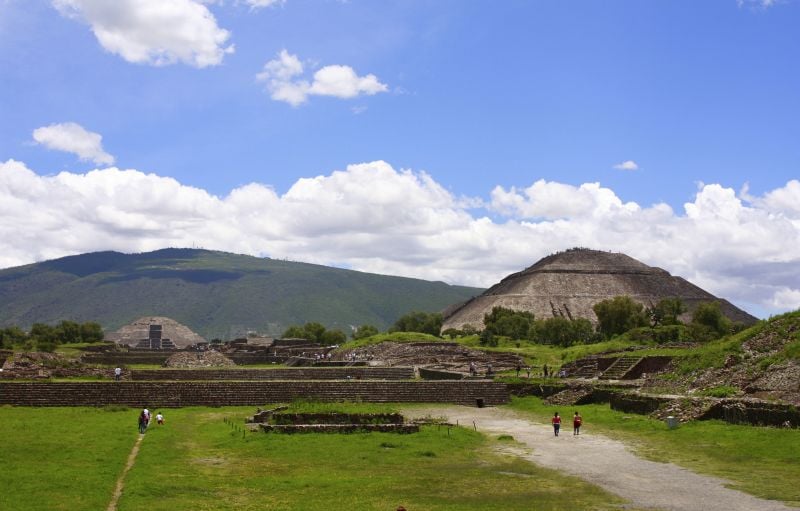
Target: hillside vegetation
point(216, 294)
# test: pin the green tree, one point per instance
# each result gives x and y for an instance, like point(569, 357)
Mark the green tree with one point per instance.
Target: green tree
point(365, 331)
point(92, 332)
point(313, 331)
point(11, 336)
point(420, 322)
point(508, 322)
point(666, 312)
point(331, 337)
point(708, 322)
point(294, 332)
point(68, 332)
point(487, 338)
point(618, 315)
point(562, 331)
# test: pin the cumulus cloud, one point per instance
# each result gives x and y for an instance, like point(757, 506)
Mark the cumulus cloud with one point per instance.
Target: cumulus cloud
point(283, 81)
point(373, 217)
point(627, 165)
point(156, 32)
point(73, 138)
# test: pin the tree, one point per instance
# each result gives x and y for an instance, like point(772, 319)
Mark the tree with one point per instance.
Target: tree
point(365, 331)
point(92, 332)
point(666, 312)
point(487, 338)
point(294, 332)
point(12, 335)
point(562, 331)
point(331, 337)
point(508, 322)
point(68, 332)
point(618, 315)
point(708, 322)
point(420, 322)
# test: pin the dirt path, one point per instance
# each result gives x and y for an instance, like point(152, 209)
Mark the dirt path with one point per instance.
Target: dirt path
point(607, 463)
point(112, 506)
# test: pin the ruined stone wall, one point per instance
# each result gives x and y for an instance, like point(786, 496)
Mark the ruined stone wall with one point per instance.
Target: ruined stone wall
point(255, 393)
point(434, 374)
point(327, 373)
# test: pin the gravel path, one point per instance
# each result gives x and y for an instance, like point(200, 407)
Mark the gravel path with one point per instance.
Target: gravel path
point(607, 463)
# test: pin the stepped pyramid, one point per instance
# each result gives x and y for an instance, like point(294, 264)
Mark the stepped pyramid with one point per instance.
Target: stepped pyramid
point(153, 328)
point(569, 283)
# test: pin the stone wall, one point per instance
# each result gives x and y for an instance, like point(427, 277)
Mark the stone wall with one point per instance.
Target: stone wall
point(125, 358)
point(320, 373)
point(433, 374)
point(754, 412)
point(648, 365)
point(255, 393)
point(635, 403)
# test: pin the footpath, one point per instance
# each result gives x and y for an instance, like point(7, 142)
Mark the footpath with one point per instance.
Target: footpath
point(607, 463)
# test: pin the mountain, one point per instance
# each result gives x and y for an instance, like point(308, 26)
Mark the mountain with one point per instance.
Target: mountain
point(216, 294)
point(569, 283)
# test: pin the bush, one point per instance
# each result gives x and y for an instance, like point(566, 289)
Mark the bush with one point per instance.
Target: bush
point(508, 322)
point(421, 322)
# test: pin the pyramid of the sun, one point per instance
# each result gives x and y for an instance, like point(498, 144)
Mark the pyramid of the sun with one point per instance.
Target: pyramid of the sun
point(180, 335)
point(569, 283)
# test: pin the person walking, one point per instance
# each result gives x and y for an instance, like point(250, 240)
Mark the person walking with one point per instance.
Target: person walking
point(556, 423)
point(159, 419)
point(142, 423)
point(577, 420)
point(117, 373)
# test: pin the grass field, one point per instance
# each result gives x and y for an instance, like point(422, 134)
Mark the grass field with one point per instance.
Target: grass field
point(70, 458)
point(758, 460)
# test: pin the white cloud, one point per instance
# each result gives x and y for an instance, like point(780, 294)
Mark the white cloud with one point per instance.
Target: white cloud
point(156, 32)
point(627, 165)
point(372, 217)
point(73, 138)
point(260, 4)
point(764, 4)
point(282, 79)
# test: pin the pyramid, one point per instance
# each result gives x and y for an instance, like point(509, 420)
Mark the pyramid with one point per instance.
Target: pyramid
point(171, 334)
point(570, 283)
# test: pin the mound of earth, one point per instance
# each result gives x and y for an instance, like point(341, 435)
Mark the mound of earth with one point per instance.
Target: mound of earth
point(47, 365)
point(202, 359)
point(448, 356)
point(568, 284)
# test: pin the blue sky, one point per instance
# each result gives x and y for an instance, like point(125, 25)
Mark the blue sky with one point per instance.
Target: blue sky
point(623, 112)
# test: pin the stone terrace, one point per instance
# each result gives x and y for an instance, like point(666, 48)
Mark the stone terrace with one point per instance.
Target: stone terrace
point(327, 373)
point(255, 393)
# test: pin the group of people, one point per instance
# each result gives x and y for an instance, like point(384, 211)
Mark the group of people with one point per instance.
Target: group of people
point(144, 420)
point(577, 422)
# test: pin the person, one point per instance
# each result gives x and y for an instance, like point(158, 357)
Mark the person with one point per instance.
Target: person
point(160, 419)
point(577, 420)
point(518, 368)
point(117, 373)
point(489, 370)
point(473, 371)
point(544, 368)
point(142, 423)
point(556, 423)
point(528, 369)
point(146, 414)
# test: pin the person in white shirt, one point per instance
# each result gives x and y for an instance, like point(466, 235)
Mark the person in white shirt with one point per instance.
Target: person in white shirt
point(160, 419)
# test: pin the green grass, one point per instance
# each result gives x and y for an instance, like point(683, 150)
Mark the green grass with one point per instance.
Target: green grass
point(761, 461)
point(70, 458)
point(391, 337)
point(62, 458)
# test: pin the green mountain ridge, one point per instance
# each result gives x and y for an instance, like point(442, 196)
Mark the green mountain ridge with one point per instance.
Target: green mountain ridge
point(216, 294)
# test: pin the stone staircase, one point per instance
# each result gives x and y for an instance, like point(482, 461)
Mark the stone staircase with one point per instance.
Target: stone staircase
point(589, 370)
point(620, 368)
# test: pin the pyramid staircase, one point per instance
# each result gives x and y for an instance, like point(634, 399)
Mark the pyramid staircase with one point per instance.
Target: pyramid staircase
point(589, 370)
point(620, 368)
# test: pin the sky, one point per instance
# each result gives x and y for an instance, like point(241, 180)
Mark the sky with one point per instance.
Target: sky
point(452, 140)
